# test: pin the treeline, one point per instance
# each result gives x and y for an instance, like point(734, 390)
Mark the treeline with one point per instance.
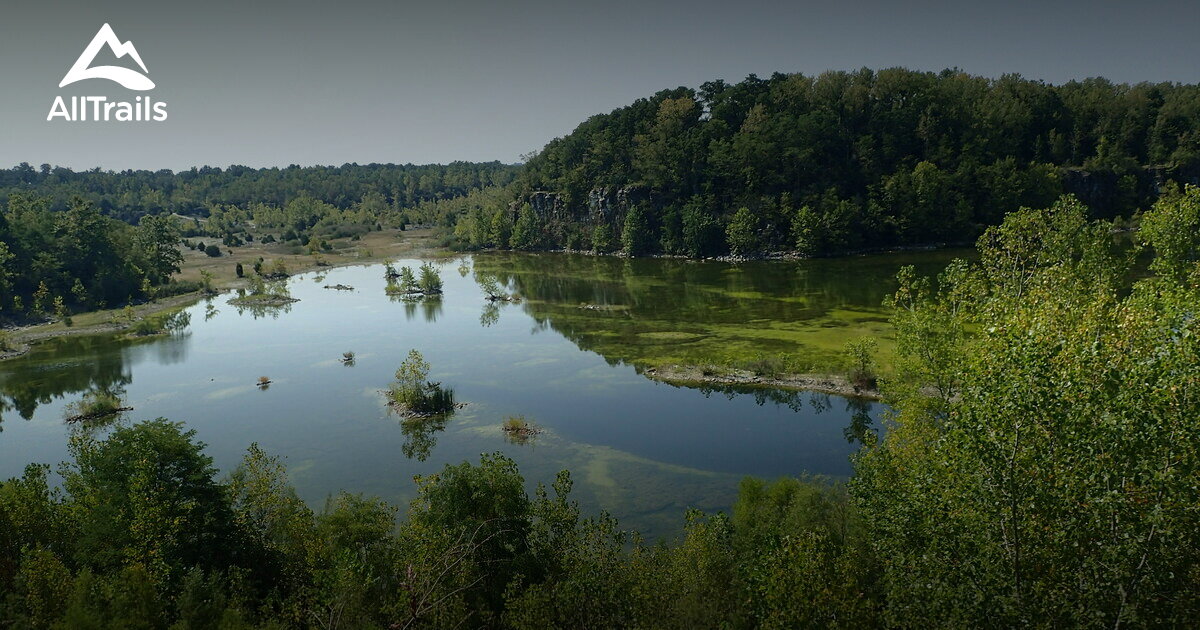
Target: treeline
point(127, 195)
point(53, 263)
point(1040, 470)
point(71, 241)
point(845, 161)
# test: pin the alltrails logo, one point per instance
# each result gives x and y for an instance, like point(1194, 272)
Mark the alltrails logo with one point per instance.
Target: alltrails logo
point(99, 107)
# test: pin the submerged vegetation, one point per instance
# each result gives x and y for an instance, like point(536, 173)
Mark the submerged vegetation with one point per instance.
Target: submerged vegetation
point(1039, 469)
point(519, 430)
point(774, 318)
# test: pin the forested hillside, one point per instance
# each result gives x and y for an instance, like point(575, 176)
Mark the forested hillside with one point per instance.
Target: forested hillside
point(844, 161)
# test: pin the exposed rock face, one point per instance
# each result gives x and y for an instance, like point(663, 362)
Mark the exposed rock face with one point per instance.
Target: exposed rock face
point(548, 206)
point(1160, 175)
point(609, 205)
point(1102, 191)
point(604, 205)
point(1095, 189)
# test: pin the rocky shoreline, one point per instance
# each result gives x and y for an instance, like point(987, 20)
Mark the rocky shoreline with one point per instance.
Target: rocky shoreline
point(823, 383)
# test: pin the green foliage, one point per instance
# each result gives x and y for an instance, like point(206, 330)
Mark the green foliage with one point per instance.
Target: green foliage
point(41, 299)
point(6, 274)
point(603, 240)
point(486, 508)
point(60, 310)
point(414, 393)
point(157, 239)
point(43, 584)
point(1039, 469)
point(95, 403)
point(408, 281)
point(742, 233)
point(294, 197)
point(500, 229)
point(206, 281)
point(430, 281)
point(873, 159)
point(861, 354)
point(146, 495)
point(1172, 230)
point(701, 232)
point(526, 233)
point(1054, 453)
point(671, 239)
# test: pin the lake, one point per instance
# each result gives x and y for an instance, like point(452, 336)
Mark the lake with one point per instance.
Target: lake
point(566, 356)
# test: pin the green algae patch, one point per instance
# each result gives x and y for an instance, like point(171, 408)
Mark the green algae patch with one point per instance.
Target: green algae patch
point(670, 336)
point(660, 312)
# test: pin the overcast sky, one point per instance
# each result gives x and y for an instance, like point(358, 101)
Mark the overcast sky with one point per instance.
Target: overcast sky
point(273, 82)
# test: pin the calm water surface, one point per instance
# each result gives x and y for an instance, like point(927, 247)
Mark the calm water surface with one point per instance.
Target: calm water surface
point(643, 450)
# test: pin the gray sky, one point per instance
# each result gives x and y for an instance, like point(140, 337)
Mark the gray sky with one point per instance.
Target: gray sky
point(269, 82)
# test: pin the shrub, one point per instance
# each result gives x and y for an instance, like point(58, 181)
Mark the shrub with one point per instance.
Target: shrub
point(212, 251)
point(763, 365)
point(176, 287)
point(414, 393)
point(95, 403)
point(862, 362)
point(431, 280)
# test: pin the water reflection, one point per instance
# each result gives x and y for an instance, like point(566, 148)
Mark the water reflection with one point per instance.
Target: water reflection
point(641, 310)
point(429, 308)
point(420, 434)
point(64, 366)
point(489, 315)
point(859, 429)
point(264, 298)
point(645, 450)
point(98, 408)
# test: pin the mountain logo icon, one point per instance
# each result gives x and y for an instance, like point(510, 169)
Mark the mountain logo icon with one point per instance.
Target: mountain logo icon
point(128, 78)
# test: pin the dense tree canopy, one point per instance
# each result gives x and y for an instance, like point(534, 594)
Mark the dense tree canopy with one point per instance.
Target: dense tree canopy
point(127, 195)
point(853, 160)
point(81, 257)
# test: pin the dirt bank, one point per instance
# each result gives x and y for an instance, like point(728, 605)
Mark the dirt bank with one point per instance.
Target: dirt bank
point(375, 247)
